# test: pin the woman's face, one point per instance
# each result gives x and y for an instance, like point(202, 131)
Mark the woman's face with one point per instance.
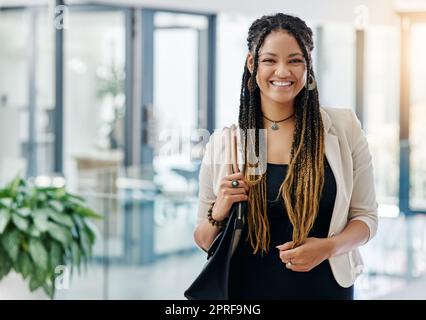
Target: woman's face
point(281, 72)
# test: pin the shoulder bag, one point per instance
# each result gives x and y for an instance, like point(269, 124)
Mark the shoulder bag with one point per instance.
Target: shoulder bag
point(213, 281)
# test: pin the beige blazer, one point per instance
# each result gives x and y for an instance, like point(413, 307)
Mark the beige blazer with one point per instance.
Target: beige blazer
point(348, 154)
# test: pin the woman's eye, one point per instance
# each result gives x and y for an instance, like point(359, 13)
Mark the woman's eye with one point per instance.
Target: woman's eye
point(296, 61)
point(267, 60)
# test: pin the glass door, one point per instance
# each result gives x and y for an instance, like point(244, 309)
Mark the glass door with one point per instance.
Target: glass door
point(180, 61)
point(177, 80)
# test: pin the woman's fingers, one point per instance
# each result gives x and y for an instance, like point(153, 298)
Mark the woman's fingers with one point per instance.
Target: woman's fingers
point(234, 194)
point(242, 185)
point(285, 246)
point(232, 191)
point(227, 180)
point(237, 175)
point(238, 197)
point(228, 185)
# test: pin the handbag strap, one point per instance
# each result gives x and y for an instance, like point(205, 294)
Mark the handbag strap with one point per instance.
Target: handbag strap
point(232, 150)
point(239, 222)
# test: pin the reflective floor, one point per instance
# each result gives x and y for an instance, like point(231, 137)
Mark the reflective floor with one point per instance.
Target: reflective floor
point(395, 262)
point(170, 277)
point(394, 270)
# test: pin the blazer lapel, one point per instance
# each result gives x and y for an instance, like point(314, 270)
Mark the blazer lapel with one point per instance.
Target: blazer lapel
point(332, 152)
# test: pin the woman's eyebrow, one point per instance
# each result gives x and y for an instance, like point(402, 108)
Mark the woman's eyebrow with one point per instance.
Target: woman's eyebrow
point(275, 55)
point(268, 53)
point(295, 54)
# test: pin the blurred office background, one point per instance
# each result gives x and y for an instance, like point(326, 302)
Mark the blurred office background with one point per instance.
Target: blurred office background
point(116, 97)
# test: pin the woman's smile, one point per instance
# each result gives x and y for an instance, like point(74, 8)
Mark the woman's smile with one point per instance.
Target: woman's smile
point(282, 85)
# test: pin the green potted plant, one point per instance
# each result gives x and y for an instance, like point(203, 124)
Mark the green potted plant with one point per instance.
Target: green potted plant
point(41, 229)
point(111, 93)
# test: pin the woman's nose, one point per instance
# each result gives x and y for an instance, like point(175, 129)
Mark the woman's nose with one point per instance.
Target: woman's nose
point(282, 71)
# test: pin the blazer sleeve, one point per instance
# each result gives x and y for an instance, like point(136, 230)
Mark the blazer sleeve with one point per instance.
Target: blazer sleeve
point(363, 204)
point(206, 194)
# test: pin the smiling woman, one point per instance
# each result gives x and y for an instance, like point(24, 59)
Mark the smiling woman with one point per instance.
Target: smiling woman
point(312, 203)
point(281, 74)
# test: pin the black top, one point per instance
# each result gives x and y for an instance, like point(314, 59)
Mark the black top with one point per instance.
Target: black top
point(266, 277)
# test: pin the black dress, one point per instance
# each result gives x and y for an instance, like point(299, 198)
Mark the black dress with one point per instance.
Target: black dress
point(266, 277)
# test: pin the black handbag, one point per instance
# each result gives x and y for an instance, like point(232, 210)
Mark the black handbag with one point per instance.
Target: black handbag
point(213, 281)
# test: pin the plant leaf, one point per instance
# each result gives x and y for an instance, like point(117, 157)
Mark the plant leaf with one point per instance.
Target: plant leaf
point(78, 220)
point(59, 193)
point(74, 233)
point(25, 212)
point(33, 231)
point(49, 290)
point(75, 252)
point(41, 196)
point(20, 222)
point(75, 200)
point(59, 233)
point(25, 264)
point(4, 193)
point(13, 185)
point(56, 205)
point(34, 284)
point(40, 218)
point(5, 263)
point(55, 255)
point(76, 197)
point(4, 219)
point(85, 243)
point(92, 230)
point(86, 212)
point(6, 202)
point(40, 274)
point(37, 279)
point(61, 218)
point(38, 253)
point(11, 241)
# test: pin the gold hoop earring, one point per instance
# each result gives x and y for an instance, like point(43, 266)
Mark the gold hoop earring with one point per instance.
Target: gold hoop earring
point(311, 83)
point(251, 84)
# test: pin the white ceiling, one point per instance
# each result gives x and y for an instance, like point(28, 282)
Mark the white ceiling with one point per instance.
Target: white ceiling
point(380, 11)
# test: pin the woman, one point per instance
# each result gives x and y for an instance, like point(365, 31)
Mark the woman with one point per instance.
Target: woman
point(313, 203)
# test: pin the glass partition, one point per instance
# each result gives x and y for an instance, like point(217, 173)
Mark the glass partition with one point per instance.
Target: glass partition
point(14, 85)
point(94, 100)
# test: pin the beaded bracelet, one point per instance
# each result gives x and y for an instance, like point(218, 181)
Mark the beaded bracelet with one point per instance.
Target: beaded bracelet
point(212, 221)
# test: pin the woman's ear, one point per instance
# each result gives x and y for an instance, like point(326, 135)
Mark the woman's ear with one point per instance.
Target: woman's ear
point(250, 62)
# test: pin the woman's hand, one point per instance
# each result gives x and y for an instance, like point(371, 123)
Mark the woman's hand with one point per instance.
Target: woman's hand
point(228, 195)
point(306, 256)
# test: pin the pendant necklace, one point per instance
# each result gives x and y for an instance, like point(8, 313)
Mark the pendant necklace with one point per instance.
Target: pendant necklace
point(275, 123)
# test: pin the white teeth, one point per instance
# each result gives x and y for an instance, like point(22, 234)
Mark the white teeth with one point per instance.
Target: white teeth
point(282, 83)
